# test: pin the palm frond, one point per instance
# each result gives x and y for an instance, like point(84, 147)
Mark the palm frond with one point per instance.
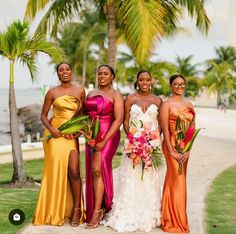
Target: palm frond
point(196, 9)
point(58, 13)
point(28, 60)
point(143, 25)
point(33, 7)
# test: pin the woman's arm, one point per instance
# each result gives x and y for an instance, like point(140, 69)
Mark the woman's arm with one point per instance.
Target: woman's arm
point(128, 104)
point(159, 103)
point(164, 118)
point(44, 114)
point(118, 119)
point(82, 99)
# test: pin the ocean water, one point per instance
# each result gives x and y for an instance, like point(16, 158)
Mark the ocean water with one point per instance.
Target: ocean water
point(24, 97)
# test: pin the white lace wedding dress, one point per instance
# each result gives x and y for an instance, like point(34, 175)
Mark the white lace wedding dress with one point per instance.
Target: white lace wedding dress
point(136, 204)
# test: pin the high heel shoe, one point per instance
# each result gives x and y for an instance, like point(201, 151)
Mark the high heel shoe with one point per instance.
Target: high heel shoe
point(73, 223)
point(95, 225)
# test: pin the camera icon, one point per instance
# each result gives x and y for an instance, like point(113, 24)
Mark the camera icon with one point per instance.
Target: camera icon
point(16, 216)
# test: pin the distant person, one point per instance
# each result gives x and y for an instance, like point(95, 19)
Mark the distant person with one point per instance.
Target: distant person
point(60, 196)
point(223, 106)
point(175, 112)
point(107, 104)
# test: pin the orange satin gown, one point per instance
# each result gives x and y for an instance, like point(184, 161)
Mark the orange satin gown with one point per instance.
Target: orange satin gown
point(55, 200)
point(174, 197)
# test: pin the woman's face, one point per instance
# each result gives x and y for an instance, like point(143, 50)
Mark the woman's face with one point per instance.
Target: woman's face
point(178, 86)
point(144, 82)
point(104, 76)
point(64, 73)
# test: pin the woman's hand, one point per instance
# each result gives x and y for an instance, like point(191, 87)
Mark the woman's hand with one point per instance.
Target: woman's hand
point(68, 136)
point(99, 146)
point(177, 156)
point(77, 135)
point(56, 133)
point(184, 156)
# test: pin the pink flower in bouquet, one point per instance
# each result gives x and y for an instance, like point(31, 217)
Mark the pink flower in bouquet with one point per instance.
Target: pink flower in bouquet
point(181, 145)
point(142, 147)
point(154, 134)
point(141, 140)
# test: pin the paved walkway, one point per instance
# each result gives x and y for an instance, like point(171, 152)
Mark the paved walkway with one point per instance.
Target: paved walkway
point(214, 150)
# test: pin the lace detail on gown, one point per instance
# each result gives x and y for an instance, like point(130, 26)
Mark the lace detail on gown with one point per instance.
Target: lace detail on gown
point(137, 203)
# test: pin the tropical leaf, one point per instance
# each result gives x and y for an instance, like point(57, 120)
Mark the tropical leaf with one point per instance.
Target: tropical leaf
point(158, 159)
point(96, 128)
point(73, 121)
point(190, 143)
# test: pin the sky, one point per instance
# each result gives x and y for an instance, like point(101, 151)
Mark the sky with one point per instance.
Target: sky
point(200, 46)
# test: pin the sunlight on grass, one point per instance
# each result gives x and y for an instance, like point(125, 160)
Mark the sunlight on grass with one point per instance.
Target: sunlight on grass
point(221, 203)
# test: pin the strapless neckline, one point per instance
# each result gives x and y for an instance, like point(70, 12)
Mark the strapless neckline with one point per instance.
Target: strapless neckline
point(147, 110)
point(99, 95)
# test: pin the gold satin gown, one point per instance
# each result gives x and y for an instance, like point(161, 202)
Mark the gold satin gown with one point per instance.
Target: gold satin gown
point(174, 198)
point(55, 200)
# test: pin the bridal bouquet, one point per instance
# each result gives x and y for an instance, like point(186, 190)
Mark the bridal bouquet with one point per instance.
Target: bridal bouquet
point(142, 146)
point(184, 137)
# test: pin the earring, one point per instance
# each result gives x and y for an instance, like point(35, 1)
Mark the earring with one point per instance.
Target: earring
point(150, 87)
point(137, 88)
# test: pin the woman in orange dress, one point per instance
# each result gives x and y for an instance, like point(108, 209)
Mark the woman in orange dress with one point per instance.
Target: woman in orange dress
point(174, 197)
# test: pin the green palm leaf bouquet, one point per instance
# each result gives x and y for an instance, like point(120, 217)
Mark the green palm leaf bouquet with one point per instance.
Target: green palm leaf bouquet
point(72, 126)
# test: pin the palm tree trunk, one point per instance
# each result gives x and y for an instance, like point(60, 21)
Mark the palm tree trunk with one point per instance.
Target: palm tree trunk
point(111, 33)
point(18, 164)
point(84, 67)
point(99, 60)
point(218, 97)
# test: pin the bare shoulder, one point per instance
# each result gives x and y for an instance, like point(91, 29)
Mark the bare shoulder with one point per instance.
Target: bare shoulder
point(188, 103)
point(165, 104)
point(92, 93)
point(158, 101)
point(53, 91)
point(130, 99)
point(116, 94)
point(78, 88)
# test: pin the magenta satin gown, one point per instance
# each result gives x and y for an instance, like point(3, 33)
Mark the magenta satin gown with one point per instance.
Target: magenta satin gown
point(102, 107)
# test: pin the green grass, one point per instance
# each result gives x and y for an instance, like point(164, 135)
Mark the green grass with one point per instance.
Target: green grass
point(25, 199)
point(221, 204)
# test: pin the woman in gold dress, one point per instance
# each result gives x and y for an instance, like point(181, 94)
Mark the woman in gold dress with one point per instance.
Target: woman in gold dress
point(60, 196)
point(174, 197)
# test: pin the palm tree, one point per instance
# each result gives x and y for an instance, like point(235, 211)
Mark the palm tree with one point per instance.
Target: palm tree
point(143, 23)
point(76, 39)
point(17, 45)
point(219, 79)
point(185, 67)
point(225, 54)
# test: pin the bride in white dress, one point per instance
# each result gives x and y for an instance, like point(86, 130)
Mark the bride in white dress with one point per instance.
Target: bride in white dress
point(137, 203)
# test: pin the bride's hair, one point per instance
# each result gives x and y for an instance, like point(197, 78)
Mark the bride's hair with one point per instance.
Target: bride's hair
point(139, 73)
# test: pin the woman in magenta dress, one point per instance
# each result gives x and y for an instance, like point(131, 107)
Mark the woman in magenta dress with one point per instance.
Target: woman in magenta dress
point(107, 104)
